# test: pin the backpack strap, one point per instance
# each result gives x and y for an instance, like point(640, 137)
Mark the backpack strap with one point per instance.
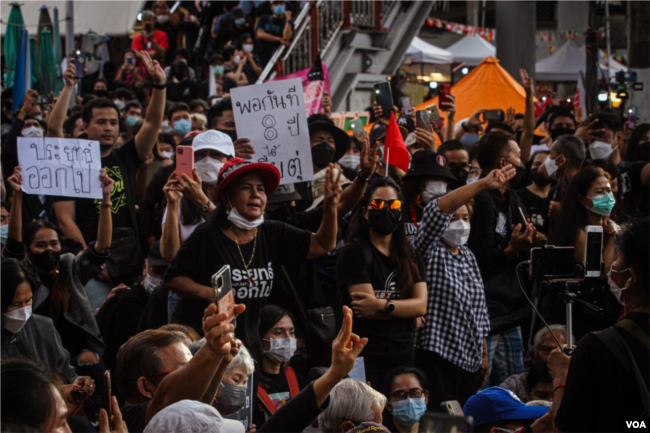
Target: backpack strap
point(266, 400)
point(635, 331)
point(294, 389)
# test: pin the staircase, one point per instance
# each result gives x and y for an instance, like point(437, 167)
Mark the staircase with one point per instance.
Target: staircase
point(362, 42)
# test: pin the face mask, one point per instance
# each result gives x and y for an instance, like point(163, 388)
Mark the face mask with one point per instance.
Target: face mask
point(240, 21)
point(239, 221)
point(350, 161)
point(236, 59)
point(168, 155)
point(469, 139)
point(182, 127)
point(283, 213)
point(384, 221)
point(131, 121)
point(165, 127)
point(538, 178)
point(101, 93)
point(461, 179)
point(322, 154)
point(4, 233)
point(39, 118)
point(208, 169)
point(46, 261)
point(217, 70)
point(32, 131)
point(643, 152)
point(457, 233)
point(434, 189)
point(551, 166)
point(471, 180)
point(13, 321)
point(519, 176)
point(179, 75)
point(150, 283)
point(278, 10)
point(556, 132)
point(603, 204)
point(248, 48)
point(232, 133)
point(232, 398)
point(613, 287)
point(282, 349)
point(408, 412)
point(119, 104)
point(600, 150)
point(162, 19)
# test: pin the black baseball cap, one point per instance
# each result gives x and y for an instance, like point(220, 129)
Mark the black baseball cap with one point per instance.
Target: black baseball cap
point(426, 163)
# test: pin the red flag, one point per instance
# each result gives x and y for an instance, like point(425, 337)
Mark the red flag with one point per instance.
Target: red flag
point(395, 152)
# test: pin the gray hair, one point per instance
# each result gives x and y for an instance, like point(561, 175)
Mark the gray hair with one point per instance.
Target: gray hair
point(350, 400)
point(148, 13)
point(243, 358)
point(573, 148)
point(556, 329)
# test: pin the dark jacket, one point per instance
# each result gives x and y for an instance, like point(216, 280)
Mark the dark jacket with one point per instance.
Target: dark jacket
point(153, 204)
point(297, 414)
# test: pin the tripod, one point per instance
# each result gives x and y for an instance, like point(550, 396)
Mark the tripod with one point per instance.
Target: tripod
point(569, 298)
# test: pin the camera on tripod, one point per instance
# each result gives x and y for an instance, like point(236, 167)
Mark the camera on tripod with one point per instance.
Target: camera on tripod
point(551, 263)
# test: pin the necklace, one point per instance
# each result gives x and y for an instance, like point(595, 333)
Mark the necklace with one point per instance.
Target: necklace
point(246, 265)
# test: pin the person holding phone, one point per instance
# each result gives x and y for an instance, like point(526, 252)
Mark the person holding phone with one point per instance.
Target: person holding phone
point(154, 42)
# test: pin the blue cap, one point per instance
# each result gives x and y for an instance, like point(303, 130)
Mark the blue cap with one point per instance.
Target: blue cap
point(498, 404)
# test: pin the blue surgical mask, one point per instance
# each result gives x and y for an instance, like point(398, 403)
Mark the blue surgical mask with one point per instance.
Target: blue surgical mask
point(182, 126)
point(217, 70)
point(408, 412)
point(469, 139)
point(278, 10)
point(4, 233)
point(131, 121)
point(603, 204)
point(240, 21)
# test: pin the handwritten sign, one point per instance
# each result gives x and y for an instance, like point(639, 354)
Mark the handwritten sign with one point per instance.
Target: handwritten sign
point(272, 116)
point(64, 167)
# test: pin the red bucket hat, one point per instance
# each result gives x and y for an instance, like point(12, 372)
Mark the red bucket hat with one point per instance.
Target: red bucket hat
point(236, 167)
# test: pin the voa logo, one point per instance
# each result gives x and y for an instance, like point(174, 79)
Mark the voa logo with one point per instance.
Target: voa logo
point(635, 424)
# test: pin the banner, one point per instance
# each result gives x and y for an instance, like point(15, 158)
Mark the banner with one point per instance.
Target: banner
point(315, 81)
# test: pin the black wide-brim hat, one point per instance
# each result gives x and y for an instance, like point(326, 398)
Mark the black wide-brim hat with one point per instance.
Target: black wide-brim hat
point(341, 138)
point(426, 163)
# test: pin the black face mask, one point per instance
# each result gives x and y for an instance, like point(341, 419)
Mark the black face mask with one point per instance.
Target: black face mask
point(101, 93)
point(643, 152)
point(384, 221)
point(179, 76)
point(556, 132)
point(538, 178)
point(322, 154)
point(230, 133)
point(46, 261)
point(284, 213)
point(461, 179)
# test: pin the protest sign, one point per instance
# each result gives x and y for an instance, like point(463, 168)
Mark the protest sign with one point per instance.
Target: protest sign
point(272, 115)
point(67, 167)
point(315, 81)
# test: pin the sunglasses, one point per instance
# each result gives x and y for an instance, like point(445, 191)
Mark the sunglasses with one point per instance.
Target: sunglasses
point(378, 204)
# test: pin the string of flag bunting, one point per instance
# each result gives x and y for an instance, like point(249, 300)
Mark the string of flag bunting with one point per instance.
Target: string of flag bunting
point(490, 34)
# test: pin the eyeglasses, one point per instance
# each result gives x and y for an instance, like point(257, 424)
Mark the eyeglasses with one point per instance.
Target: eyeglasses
point(412, 393)
point(159, 376)
point(378, 204)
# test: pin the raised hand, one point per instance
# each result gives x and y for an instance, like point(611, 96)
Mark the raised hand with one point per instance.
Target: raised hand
point(219, 334)
point(155, 71)
point(450, 107)
point(327, 103)
point(333, 189)
point(346, 347)
point(475, 118)
point(510, 117)
point(379, 113)
point(15, 181)
point(171, 190)
point(243, 148)
point(587, 129)
point(28, 102)
point(69, 74)
point(369, 158)
point(522, 241)
point(498, 178)
point(107, 183)
point(119, 426)
point(527, 82)
point(191, 187)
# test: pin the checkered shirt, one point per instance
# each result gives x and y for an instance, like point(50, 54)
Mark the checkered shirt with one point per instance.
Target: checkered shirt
point(456, 318)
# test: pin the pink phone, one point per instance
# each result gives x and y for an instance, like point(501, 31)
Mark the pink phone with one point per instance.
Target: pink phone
point(184, 161)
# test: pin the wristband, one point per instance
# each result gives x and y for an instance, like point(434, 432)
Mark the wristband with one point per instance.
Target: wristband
point(159, 86)
point(362, 179)
point(556, 388)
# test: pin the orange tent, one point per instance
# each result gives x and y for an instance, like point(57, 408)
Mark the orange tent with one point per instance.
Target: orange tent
point(487, 86)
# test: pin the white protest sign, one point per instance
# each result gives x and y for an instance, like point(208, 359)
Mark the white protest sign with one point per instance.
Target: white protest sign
point(67, 167)
point(272, 115)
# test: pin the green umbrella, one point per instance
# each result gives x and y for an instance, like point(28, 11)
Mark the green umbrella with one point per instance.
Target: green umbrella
point(47, 73)
point(33, 53)
point(12, 38)
point(58, 56)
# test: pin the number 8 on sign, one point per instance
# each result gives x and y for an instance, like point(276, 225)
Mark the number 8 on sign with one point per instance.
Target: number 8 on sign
point(270, 133)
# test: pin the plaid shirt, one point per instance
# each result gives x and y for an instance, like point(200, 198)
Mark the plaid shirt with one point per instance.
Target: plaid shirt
point(457, 318)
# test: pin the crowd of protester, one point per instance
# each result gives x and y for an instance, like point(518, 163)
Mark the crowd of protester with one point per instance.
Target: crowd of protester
point(417, 272)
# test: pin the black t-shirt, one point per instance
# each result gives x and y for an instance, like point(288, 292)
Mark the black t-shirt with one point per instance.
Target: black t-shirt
point(134, 416)
point(208, 249)
point(392, 336)
point(121, 166)
point(185, 91)
point(636, 196)
point(273, 26)
point(600, 395)
point(278, 392)
point(411, 214)
point(537, 209)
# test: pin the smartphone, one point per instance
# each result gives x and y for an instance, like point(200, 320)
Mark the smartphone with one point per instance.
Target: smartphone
point(408, 106)
point(452, 407)
point(443, 95)
point(44, 98)
point(223, 294)
point(176, 5)
point(494, 116)
point(554, 263)
point(79, 61)
point(108, 396)
point(594, 251)
point(78, 396)
point(433, 422)
point(215, 101)
point(436, 118)
point(130, 60)
point(357, 129)
point(184, 161)
point(384, 97)
point(423, 119)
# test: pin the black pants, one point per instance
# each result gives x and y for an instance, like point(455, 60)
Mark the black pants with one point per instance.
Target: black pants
point(378, 367)
point(447, 381)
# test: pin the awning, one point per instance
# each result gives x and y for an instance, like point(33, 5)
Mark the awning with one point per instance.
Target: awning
point(472, 50)
point(423, 52)
point(566, 63)
point(103, 17)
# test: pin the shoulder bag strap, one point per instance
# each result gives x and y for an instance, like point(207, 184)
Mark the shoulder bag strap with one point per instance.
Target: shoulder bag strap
point(266, 400)
point(294, 389)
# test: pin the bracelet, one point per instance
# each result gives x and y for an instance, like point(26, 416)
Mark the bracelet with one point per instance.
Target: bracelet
point(362, 179)
point(556, 388)
point(159, 86)
point(106, 205)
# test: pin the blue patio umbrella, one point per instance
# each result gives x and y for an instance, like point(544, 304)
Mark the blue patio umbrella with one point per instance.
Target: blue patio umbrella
point(12, 39)
point(22, 73)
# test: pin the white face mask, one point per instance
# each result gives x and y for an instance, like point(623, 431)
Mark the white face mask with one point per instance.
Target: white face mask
point(13, 321)
point(601, 150)
point(457, 233)
point(282, 349)
point(434, 189)
point(208, 169)
point(613, 287)
point(236, 59)
point(239, 221)
point(119, 104)
point(150, 283)
point(32, 131)
point(471, 180)
point(551, 166)
point(248, 48)
point(168, 155)
point(162, 19)
point(165, 127)
point(350, 161)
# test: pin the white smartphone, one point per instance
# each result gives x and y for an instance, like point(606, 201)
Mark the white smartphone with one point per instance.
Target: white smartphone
point(594, 250)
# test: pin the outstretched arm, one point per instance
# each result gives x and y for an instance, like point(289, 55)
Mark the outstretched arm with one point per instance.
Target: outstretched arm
point(148, 134)
point(60, 110)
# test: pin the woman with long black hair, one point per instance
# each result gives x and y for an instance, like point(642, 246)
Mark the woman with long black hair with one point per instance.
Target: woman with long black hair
point(383, 279)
